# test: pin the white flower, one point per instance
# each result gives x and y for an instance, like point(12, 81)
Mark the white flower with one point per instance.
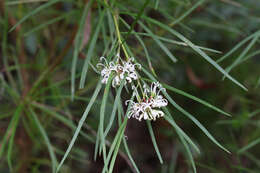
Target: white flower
point(154, 95)
point(144, 111)
point(159, 102)
point(129, 70)
point(125, 70)
point(107, 69)
point(145, 108)
point(156, 113)
point(135, 110)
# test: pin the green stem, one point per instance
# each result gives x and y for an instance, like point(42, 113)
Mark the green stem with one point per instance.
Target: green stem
point(119, 35)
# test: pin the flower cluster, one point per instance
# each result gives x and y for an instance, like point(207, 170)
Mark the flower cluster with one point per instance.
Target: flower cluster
point(146, 108)
point(125, 69)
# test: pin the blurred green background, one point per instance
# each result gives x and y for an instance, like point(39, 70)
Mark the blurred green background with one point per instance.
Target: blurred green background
point(35, 89)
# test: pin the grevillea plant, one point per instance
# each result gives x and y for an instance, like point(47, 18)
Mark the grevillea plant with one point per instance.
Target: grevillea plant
point(122, 70)
point(121, 59)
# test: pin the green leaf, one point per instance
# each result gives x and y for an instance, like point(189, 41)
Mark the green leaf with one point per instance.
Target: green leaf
point(195, 99)
point(156, 4)
point(61, 118)
point(187, 13)
point(11, 132)
point(203, 54)
point(140, 13)
point(77, 44)
point(116, 102)
point(43, 25)
point(186, 94)
point(213, 25)
point(121, 134)
point(35, 11)
point(102, 117)
point(121, 112)
point(154, 141)
point(195, 121)
point(92, 45)
point(188, 115)
point(46, 139)
point(172, 41)
point(182, 137)
point(241, 56)
point(160, 44)
point(114, 147)
point(180, 132)
point(142, 44)
point(250, 145)
point(189, 153)
point(130, 156)
point(241, 43)
point(80, 124)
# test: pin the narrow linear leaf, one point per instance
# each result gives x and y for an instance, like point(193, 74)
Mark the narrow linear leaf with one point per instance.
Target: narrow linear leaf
point(257, 83)
point(35, 11)
point(111, 26)
point(112, 163)
point(156, 4)
point(140, 13)
point(251, 55)
point(142, 44)
point(97, 144)
point(195, 99)
point(154, 141)
point(16, 2)
point(195, 121)
point(114, 145)
point(171, 121)
point(245, 51)
point(196, 49)
point(43, 25)
point(172, 41)
point(46, 139)
point(77, 44)
point(130, 156)
point(10, 90)
point(16, 115)
point(254, 113)
point(189, 153)
point(116, 102)
point(188, 115)
point(8, 133)
point(250, 145)
point(188, 95)
point(62, 119)
point(102, 117)
point(80, 124)
point(187, 12)
point(160, 44)
point(121, 112)
point(241, 43)
point(214, 25)
point(92, 45)
point(182, 137)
